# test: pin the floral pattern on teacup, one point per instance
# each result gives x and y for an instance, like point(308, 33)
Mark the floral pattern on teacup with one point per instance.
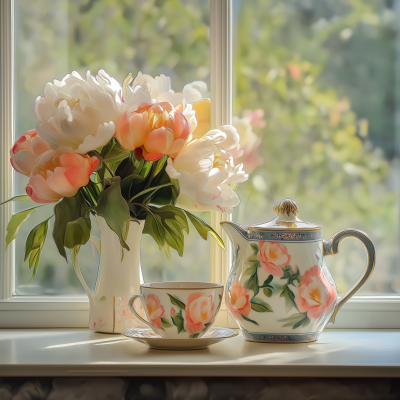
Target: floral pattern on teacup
point(194, 317)
point(155, 309)
point(199, 312)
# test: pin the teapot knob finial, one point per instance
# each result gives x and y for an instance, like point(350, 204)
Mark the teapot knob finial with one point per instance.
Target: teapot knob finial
point(286, 206)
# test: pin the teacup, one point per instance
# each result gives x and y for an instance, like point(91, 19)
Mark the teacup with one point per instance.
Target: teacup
point(179, 310)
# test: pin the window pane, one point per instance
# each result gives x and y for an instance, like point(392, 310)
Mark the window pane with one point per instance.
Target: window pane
point(52, 38)
point(322, 76)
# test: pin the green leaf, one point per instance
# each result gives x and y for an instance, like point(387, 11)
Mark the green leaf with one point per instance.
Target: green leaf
point(155, 229)
point(103, 298)
point(177, 320)
point(74, 256)
point(34, 245)
point(125, 168)
point(296, 320)
point(152, 189)
point(220, 297)
point(15, 222)
point(21, 197)
point(287, 272)
point(259, 305)
point(248, 319)
point(77, 232)
point(295, 277)
point(289, 297)
point(252, 283)
point(132, 184)
point(268, 291)
point(254, 247)
point(114, 209)
point(203, 228)
point(160, 164)
point(252, 270)
point(116, 154)
point(166, 225)
point(194, 336)
point(267, 281)
point(177, 302)
point(72, 223)
point(165, 323)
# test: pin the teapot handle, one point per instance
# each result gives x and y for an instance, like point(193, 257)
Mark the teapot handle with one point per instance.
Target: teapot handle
point(331, 247)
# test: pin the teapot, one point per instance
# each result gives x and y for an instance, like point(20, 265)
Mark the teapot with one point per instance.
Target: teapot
point(279, 288)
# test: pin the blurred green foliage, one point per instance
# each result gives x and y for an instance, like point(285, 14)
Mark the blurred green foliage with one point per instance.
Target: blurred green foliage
point(322, 70)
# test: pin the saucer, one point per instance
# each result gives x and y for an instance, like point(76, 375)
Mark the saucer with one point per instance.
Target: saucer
point(154, 341)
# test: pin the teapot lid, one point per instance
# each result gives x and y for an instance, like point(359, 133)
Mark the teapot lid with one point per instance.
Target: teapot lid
point(286, 220)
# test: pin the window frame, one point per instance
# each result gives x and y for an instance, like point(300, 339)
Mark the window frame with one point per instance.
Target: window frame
point(69, 312)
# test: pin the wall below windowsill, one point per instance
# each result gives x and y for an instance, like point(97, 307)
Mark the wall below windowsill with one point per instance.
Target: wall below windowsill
point(81, 352)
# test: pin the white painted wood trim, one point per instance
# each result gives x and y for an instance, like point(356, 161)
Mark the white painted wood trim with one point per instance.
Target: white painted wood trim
point(6, 129)
point(221, 114)
point(46, 312)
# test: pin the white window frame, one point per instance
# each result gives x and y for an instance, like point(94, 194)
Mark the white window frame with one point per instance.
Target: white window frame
point(365, 312)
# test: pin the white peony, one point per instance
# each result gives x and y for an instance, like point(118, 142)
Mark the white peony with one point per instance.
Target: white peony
point(207, 173)
point(78, 115)
point(146, 88)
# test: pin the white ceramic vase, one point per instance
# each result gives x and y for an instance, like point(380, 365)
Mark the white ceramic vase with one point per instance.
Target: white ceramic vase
point(118, 278)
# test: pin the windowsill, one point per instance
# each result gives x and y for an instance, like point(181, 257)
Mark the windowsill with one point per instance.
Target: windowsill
point(72, 352)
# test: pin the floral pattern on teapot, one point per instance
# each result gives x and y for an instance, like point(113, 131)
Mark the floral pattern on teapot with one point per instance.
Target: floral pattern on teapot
point(308, 296)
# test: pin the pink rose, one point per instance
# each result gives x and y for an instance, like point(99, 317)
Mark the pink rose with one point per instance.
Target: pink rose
point(26, 150)
point(154, 129)
point(173, 312)
point(154, 309)
point(56, 175)
point(238, 300)
point(316, 294)
point(199, 311)
point(273, 256)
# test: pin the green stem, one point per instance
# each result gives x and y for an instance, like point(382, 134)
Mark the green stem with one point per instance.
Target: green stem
point(98, 155)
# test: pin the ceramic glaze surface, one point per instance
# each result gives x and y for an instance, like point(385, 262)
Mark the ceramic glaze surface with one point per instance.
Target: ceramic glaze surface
point(117, 279)
point(279, 288)
point(179, 311)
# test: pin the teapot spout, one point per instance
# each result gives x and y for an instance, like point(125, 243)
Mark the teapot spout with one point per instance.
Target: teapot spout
point(234, 230)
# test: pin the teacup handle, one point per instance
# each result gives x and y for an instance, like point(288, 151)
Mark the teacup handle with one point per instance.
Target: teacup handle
point(331, 247)
point(131, 306)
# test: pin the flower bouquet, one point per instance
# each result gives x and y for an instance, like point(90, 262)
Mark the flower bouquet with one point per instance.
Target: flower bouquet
point(140, 154)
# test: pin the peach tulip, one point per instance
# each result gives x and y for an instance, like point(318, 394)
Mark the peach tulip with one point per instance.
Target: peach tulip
point(57, 175)
point(153, 130)
point(26, 150)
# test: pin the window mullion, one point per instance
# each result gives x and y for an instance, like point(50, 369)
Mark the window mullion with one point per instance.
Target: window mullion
point(221, 114)
point(221, 107)
point(6, 138)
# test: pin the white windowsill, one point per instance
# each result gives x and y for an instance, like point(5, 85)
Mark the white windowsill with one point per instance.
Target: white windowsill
point(73, 352)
